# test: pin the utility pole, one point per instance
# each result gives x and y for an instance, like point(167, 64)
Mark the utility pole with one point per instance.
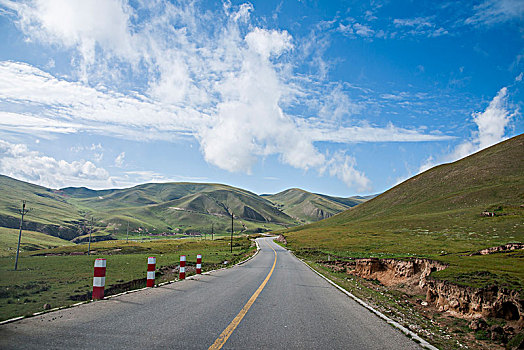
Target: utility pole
point(127, 233)
point(212, 238)
point(90, 232)
point(22, 212)
point(231, 231)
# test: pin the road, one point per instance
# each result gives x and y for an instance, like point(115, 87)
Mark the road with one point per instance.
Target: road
point(273, 301)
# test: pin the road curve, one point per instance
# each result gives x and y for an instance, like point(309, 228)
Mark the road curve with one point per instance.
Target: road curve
point(294, 309)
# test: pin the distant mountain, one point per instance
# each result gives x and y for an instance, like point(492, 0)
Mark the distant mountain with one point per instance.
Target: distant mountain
point(189, 207)
point(309, 207)
point(165, 207)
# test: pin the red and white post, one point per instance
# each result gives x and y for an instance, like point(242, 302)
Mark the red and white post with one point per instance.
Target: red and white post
point(99, 279)
point(199, 264)
point(151, 265)
point(182, 274)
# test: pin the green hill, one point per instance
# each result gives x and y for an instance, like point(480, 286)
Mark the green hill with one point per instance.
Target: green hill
point(309, 207)
point(436, 214)
point(50, 212)
point(188, 207)
point(30, 241)
point(151, 208)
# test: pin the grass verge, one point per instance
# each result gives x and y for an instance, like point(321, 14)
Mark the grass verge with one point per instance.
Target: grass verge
point(60, 277)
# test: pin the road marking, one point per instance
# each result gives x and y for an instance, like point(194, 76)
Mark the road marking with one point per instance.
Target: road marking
point(222, 338)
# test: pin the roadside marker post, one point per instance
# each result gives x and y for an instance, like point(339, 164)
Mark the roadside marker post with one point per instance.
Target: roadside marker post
point(151, 265)
point(99, 279)
point(182, 274)
point(199, 264)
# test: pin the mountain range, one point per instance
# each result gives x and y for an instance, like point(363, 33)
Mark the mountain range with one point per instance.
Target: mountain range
point(161, 208)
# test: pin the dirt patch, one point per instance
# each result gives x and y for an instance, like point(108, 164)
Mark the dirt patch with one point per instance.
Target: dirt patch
point(412, 277)
point(281, 239)
point(498, 249)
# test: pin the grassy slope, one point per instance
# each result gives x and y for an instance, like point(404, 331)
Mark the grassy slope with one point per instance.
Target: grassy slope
point(437, 214)
point(310, 207)
point(50, 211)
point(30, 241)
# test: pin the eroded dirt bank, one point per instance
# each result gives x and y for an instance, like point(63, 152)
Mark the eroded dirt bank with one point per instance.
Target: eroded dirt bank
point(414, 276)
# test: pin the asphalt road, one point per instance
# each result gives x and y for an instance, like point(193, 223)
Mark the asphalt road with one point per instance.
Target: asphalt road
point(296, 309)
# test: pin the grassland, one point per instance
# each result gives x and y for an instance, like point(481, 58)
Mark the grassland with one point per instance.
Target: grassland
point(50, 212)
point(437, 215)
point(59, 277)
point(30, 241)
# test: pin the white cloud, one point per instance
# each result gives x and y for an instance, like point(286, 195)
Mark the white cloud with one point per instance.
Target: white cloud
point(81, 24)
point(213, 76)
point(491, 125)
point(363, 30)
point(497, 11)
point(268, 42)
point(69, 107)
point(417, 22)
point(119, 160)
point(330, 132)
point(343, 167)
point(18, 161)
point(356, 29)
point(419, 26)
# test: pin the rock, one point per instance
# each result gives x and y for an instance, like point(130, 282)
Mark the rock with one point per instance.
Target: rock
point(47, 306)
point(478, 324)
point(424, 303)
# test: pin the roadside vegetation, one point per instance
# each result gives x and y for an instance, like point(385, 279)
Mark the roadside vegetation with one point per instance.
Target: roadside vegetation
point(63, 275)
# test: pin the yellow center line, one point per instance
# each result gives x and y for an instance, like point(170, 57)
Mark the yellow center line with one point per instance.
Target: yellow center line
point(222, 338)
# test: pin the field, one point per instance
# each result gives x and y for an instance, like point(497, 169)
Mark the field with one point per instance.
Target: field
point(58, 277)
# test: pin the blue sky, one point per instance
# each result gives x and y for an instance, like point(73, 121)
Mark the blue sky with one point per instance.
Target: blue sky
point(335, 97)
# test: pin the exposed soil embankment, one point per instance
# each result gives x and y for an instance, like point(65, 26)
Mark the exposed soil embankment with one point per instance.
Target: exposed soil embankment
point(414, 276)
point(468, 301)
point(501, 248)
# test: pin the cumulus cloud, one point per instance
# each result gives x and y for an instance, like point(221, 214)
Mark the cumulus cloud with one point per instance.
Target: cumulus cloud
point(250, 121)
point(491, 126)
point(216, 77)
point(18, 161)
point(343, 167)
